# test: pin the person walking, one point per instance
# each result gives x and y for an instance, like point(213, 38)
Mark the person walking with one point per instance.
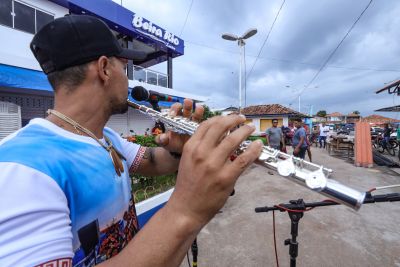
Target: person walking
point(323, 133)
point(299, 140)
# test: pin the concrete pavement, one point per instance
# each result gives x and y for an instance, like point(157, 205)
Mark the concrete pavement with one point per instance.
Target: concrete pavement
point(328, 236)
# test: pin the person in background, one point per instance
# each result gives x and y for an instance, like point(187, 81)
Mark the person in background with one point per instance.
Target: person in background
point(157, 129)
point(299, 140)
point(323, 133)
point(398, 135)
point(275, 136)
point(386, 134)
point(308, 136)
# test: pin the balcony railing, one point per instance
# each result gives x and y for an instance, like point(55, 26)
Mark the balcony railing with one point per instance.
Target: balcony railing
point(150, 76)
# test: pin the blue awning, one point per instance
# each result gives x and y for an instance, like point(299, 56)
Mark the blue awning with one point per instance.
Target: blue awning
point(16, 77)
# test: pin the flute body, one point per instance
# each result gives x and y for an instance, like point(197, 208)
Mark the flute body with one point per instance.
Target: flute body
point(308, 174)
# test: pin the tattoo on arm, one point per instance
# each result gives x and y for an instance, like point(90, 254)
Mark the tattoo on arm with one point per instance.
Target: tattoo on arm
point(149, 154)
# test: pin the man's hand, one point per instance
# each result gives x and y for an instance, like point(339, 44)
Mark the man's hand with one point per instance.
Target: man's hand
point(296, 151)
point(206, 174)
point(205, 180)
point(172, 141)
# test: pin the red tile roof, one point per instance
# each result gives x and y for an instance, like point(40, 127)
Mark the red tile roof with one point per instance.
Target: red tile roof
point(272, 109)
point(378, 119)
point(353, 115)
point(334, 114)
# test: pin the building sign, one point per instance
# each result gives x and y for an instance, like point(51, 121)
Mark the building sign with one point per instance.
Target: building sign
point(129, 23)
point(148, 28)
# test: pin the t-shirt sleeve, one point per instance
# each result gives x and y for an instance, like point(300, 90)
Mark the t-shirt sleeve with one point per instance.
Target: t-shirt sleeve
point(132, 152)
point(34, 218)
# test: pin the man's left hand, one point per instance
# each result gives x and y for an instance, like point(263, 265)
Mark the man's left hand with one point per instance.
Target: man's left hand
point(174, 142)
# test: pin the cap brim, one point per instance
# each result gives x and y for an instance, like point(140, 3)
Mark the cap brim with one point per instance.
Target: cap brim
point(132, 54)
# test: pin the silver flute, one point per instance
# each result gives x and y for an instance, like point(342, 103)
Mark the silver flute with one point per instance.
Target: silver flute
point(308, 174)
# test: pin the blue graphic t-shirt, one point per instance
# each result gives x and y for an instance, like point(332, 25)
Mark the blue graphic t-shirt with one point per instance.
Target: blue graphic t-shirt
point(64, 189)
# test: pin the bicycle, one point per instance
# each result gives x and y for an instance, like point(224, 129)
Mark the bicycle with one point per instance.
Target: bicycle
point(380, 145)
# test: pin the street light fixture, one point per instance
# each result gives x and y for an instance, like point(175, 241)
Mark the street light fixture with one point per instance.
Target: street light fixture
point(240, 40)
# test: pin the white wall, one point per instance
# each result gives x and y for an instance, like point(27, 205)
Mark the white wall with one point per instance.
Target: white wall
point(132, 120)
point(256, 122)
point(285, 121)
point(14, 45)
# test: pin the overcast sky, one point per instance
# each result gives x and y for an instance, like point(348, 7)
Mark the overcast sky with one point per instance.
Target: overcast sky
point(304, 35)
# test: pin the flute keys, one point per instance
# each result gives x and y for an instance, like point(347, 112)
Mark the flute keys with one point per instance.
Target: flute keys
point(286, 167)
point(316, 180)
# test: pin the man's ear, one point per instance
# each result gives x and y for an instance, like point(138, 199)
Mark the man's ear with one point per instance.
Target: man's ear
point(104, 68)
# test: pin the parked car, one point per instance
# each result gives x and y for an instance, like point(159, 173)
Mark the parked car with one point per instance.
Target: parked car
point(346, 129)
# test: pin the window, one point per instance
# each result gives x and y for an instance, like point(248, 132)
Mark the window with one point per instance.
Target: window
point(24, 18)
point(42, 19)
point(5, 13)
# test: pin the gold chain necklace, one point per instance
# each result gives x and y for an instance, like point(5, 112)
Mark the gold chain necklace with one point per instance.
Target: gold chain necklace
point(115, 155)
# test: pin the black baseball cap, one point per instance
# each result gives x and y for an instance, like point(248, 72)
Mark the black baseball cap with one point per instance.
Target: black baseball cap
point(274, 120)
point(74, 40)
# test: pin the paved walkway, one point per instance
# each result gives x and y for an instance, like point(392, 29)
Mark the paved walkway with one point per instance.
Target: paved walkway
point(328, 236)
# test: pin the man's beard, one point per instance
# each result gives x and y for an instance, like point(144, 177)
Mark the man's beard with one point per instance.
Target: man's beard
point(119, 108)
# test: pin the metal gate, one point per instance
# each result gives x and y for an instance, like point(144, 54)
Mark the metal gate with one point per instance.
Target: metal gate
point(10, 118)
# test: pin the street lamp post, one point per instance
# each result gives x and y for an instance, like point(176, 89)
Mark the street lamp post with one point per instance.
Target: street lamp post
point(241, 44)
point(288, 86)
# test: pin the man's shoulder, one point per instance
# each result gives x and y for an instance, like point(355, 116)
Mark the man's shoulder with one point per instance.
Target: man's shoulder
point(302, 130)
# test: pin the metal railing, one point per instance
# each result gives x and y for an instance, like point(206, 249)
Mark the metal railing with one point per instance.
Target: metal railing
point(149, 76)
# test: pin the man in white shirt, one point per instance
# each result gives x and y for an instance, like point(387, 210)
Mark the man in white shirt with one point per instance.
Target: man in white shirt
point(65, 180)
point(323, 133)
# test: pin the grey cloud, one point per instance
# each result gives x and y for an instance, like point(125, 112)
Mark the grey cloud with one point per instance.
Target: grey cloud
point(306, 31)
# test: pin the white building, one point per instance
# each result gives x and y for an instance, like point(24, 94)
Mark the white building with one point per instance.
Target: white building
point(22, 83)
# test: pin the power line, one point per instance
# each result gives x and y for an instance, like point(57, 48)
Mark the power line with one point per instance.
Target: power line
point(187, 16)
point(334, 51)
point(266, 38)
point(294, 61)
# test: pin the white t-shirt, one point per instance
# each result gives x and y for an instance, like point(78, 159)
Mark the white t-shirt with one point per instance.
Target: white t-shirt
point(323, 130)
point(54, 186)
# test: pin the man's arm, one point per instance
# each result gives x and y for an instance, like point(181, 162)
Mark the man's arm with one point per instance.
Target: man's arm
point(157, 161)
point(205, 180)
point(283, 139)
point(267, 136)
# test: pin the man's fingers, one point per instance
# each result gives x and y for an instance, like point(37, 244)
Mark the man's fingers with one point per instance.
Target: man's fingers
point(231, 142)
point(246, 158)
point(175, 109)
point(162, 139)
point(219, 127)
point(198, 114)
point(202, 129)
point(187, 108)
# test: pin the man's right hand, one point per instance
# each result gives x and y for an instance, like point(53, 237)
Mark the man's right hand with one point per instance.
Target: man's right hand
point(205, 180)
point(206, 174)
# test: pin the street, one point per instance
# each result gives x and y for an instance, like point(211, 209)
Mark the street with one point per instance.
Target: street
point(328, 236)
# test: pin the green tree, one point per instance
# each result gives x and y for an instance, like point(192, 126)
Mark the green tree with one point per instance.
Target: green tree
point(321, 113)
point(356, 112)
point(208, 113)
